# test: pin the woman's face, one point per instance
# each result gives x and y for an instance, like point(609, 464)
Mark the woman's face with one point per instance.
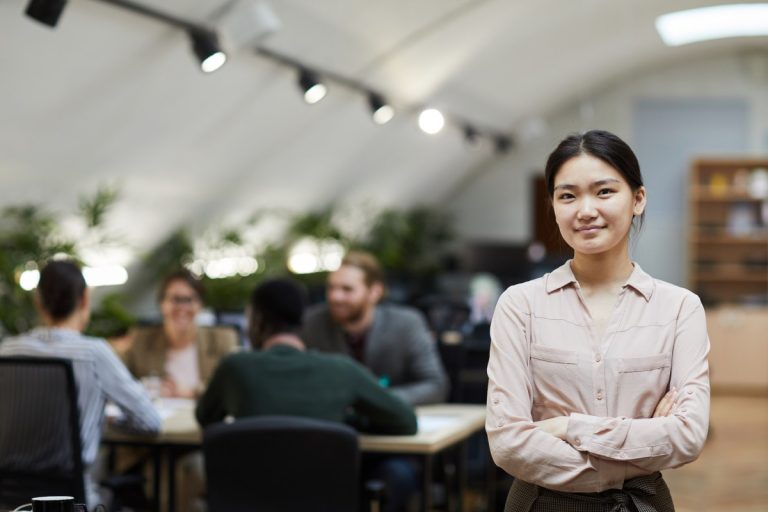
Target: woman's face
point(180, 305)
point(594, 205)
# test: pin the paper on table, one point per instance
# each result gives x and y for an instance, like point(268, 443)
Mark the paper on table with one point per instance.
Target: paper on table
point(433, 422)
point(166, 407)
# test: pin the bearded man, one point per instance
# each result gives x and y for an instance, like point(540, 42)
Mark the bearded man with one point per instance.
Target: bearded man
point(392, 341)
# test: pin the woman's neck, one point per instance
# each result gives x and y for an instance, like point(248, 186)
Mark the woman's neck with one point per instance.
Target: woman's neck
point(600, 271)
point(178, 338)
point(72, 323)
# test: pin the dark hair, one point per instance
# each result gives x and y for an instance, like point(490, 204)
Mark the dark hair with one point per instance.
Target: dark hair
point(61, 288)
point(182, 275)
point(600, 144)
point(366, 262)
point(278, 305)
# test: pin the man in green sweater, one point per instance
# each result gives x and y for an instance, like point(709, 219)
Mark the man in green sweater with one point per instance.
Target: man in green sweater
point(281, 378)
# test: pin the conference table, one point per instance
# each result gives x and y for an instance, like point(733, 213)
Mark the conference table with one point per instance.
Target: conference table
point(441, 427)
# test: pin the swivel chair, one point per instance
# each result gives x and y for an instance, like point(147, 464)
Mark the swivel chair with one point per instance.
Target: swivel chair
point(40, 448)
point(281, 463)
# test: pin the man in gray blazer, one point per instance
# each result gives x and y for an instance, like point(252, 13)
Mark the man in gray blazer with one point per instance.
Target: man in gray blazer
point(392, 341)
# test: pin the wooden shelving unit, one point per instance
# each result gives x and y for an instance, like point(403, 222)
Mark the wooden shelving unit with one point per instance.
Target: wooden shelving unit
point(728, 237)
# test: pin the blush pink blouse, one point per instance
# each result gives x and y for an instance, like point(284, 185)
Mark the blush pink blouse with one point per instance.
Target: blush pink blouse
point(546, 360)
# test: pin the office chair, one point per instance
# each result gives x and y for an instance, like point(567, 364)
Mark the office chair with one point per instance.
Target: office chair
point(282, 463)
point(40, 450)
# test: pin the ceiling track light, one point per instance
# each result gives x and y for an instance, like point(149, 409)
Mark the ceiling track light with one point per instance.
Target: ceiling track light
point(502, 144)
point(46, 12)
point(431, 121)
point(205, 44)
point(471, 136)
point(381, 111)
point(311, 86)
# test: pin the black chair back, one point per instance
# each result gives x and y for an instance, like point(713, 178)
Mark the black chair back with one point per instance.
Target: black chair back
point(281, 463)
point(40, 447)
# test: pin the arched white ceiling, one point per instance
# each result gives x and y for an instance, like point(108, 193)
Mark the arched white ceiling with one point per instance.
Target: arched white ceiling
point(109, 97)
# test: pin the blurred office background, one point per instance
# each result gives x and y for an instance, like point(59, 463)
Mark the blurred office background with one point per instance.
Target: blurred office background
point(116, 147)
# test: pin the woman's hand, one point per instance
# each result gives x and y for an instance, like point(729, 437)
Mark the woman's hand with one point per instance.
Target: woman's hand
point(666, 405)
point(557, 426)
point(171, 390)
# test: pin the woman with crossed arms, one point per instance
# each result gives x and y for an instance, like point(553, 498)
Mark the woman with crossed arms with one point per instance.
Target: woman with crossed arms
point(598, 374)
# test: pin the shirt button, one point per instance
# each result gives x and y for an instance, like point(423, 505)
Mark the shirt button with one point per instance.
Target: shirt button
point(689, 391)
point(598, 358)
point(577, 441)
point(499, 423)
point(496, 400)
point(622, 455)
point(599, 395)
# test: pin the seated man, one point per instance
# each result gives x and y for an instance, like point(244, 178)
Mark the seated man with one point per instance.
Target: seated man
point(63, 302)
point(392, 341)
point(281, 378)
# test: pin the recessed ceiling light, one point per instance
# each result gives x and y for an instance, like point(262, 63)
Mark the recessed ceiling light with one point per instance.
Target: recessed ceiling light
point(716, 22)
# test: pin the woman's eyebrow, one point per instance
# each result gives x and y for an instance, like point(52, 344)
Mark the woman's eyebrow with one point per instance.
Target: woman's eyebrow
point(598, 183)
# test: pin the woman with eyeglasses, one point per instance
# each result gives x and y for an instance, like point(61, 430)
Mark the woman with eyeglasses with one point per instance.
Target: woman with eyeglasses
point(178, 357)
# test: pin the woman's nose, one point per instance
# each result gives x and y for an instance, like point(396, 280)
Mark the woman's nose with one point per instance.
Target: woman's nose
point(586, 209)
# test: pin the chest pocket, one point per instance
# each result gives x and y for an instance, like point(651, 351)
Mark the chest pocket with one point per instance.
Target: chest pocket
point(642, 382)
point(553, 372)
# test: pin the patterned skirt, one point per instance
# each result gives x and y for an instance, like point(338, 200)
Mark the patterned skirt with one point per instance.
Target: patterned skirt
point(643, 494)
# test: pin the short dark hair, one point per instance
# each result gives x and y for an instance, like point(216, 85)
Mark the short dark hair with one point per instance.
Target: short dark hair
point(279, 305)
point(61, 287)
point(601, 144)
point(366, 262)
point(185, 276)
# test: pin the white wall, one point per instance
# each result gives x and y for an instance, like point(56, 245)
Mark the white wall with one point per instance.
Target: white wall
point(497, 206)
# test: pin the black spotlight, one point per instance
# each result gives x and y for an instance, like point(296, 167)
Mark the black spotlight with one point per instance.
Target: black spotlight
point(311, 86)
point(46, 12)
point(381, 111)
point(472, 136)
point(503, 143)
point(207, 49)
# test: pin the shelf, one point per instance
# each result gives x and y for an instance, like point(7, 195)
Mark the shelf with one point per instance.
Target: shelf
point(730, 240)
point(727, 234)
point(732, 277)
point(724, 197)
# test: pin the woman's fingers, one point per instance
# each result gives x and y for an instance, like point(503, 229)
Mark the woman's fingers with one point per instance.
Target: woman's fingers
point(666, 404)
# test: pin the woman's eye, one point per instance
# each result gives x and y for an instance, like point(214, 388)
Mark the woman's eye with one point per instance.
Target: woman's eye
point(605, 191)
point(565, 196)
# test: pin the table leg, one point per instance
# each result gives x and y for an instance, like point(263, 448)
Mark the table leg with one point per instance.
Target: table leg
point(157, 474)
point(171, 479)
point(426, 498)
point(461, 469)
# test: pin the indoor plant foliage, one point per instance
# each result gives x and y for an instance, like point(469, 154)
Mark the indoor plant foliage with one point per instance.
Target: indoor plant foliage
point(30, 235)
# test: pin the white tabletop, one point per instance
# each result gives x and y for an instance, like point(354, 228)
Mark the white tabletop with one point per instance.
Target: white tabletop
point(440, 425)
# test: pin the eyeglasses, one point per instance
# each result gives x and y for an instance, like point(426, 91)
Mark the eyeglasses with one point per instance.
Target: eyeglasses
point(182, 300)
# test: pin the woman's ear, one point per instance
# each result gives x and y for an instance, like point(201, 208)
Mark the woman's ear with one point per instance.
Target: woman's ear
point(85, 301)
point(640, 198)
point(39, 307)
point(84, 309)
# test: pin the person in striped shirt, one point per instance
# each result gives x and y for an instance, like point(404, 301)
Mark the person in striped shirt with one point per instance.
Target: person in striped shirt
point(63, 302)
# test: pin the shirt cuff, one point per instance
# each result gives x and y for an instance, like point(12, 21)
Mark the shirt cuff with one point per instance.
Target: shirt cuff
point(580, 431)
point(606, 437)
